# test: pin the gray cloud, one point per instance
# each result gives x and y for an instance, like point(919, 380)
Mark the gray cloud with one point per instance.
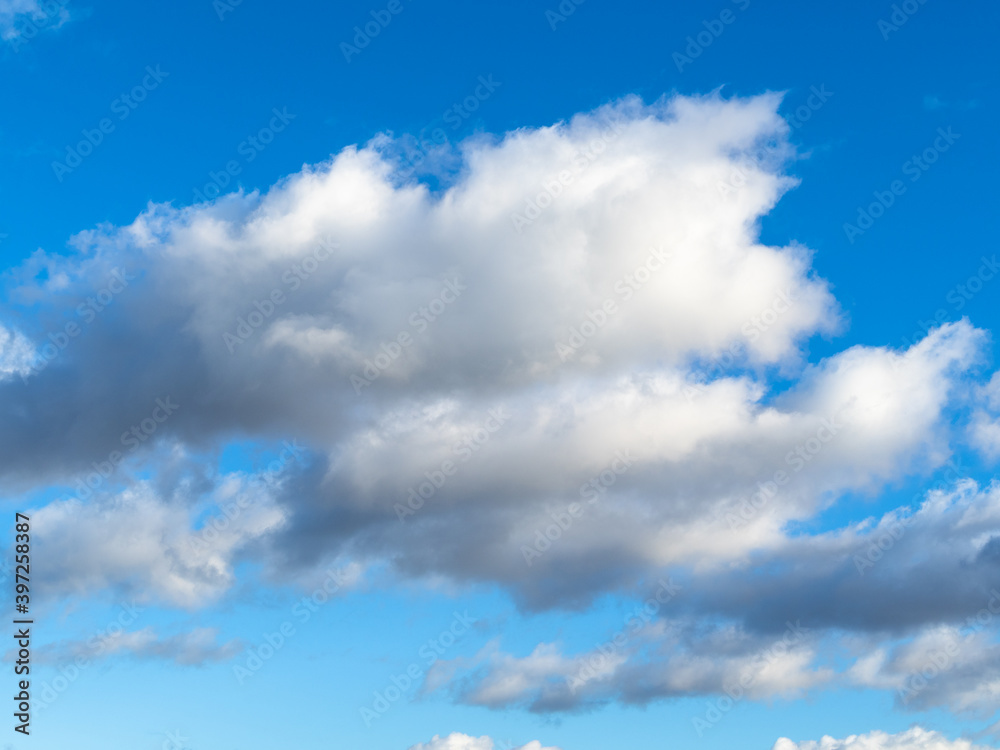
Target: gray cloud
point(513, 380)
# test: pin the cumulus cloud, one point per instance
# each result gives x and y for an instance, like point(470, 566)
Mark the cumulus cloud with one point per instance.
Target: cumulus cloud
point(639, 664)
point(895, 579)
point(856, 422)
point(928, 564)
point(148, 546)
point(383, 324)
point(580, 364)
point(358, 259)
point(912, 739)
point(458, 741)
point(942, 667)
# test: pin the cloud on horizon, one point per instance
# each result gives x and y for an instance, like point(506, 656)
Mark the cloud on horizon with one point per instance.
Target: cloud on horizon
point(916, 738)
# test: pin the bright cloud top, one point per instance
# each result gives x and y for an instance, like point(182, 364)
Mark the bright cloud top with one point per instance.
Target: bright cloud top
point(575, 357)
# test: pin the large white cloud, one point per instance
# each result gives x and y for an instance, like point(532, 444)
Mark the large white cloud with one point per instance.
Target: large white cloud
point(569, 370)
point(587, 328)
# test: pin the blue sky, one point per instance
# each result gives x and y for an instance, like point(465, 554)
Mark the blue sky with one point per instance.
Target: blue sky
point(189, 166)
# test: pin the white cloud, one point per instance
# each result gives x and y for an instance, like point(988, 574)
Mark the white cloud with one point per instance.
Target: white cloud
point(357, 259)
point(912, 739)
point(458, 741)
point(16, 354)
point(595, 324)
point(641, 663)
point(943, 666)
point(144, 544)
